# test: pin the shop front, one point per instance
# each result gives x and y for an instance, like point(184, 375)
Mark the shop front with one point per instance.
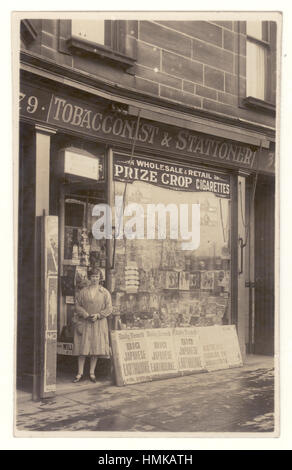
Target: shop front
point(155, 207)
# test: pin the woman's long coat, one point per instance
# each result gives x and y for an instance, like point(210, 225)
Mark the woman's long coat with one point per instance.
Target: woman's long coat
point(91, 338)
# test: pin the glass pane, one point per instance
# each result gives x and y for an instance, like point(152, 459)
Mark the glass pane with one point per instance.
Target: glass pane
point(254, 29)
point(255, 70)
point(90, 30)
point(158, 284)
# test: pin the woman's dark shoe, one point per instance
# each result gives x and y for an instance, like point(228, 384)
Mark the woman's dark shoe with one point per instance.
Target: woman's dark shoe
point(78, 378)
point(92, 378)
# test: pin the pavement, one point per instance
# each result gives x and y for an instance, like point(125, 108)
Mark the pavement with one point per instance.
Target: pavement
point(239, 400)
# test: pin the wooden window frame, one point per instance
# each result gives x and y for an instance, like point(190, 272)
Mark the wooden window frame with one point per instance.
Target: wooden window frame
point(112, 52)
point(252, 101)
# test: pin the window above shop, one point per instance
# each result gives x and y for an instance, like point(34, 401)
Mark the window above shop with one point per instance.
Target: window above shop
point(102, 39)
point(259, 66)
point(93, 31)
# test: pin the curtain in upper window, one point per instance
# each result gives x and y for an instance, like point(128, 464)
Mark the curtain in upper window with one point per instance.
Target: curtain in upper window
point(256, 58)
point(91, 30)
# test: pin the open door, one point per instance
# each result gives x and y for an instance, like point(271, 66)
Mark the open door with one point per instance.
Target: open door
point(49, 296)
point(79, 252)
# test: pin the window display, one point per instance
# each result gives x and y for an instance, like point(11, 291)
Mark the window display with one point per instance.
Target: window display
point(157, 283)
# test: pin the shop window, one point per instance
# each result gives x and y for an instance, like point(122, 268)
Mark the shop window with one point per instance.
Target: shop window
point(156, 283)
point(258, 65)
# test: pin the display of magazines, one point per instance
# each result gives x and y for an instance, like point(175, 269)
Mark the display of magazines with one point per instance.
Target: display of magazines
point(158, 284)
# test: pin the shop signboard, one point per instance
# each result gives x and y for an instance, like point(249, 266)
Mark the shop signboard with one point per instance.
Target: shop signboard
point(81, 165)
point(164, 174)
point(66, 112)
point(150, 354)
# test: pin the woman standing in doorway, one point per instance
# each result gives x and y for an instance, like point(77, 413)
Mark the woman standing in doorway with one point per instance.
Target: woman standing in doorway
point(93, 306)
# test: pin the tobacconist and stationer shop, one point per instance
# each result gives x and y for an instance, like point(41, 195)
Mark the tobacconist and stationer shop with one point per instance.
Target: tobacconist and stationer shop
point(175, 311)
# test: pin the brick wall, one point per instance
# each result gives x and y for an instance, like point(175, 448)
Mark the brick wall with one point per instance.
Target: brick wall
point(199, 64)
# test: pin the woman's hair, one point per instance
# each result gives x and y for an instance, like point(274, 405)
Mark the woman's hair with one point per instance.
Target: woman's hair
point(95, 271)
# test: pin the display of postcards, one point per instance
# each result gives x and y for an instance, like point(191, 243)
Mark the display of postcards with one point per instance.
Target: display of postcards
point(119, 280)
point(168, 259)
point(151, 281)
point(67, 286)
point(143, 303)
point(218, 278)
point(220, 314)
point(154, 301)
point(184, 280)
point(210, 263)
point(171, 280)
point(194, 262)
point(195, 280)
point(211, 307)
point(142, 280)
point(68, 242)
point(195, 308)
point(184, 311)
point(179, 257)
point(194, 321)
point(119, 262)
point(218, 262)
point(68, 280)
point(156, 320)
point(118, 298)
point(225, 283)
point(159, 279)
point(94, 259)
point(81, 278)
point(202, 263)
point(187, 263)
point(146, 315)
point(173, 308)
point(207, 280)
point(129, 304)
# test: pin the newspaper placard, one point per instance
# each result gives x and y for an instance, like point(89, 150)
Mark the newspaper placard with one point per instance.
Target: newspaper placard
point(150, 354)
point(220, 347)
point(229, 337)
point(187, 349)
point(162, 357)
point(131, 356)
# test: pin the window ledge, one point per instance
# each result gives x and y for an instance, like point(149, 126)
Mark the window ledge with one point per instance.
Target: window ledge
point(103, 52)
point(256, 103)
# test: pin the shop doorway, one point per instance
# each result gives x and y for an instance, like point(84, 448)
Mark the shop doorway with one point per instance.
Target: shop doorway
point(78, 251)
point(264, 266)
